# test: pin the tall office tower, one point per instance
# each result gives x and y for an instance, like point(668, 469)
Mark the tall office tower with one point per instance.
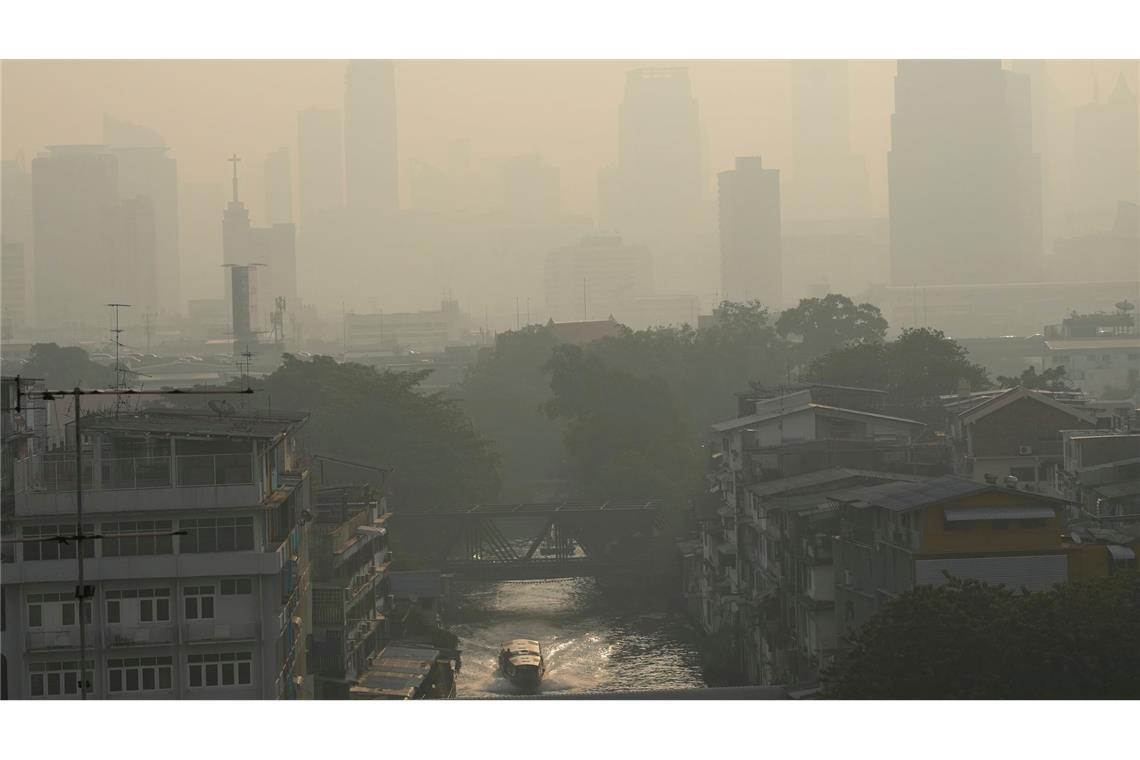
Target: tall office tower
point(371, 172)
point(13, 290)
point(135, 260)
point(599, 277)
point(75, 192)
point(320, 164)
point(200, 229)
point(278, 188)
point(147, 172)
point(531, 189)
point(828, 181)
point(656, 194)
point(16, 225)
point(964, 182)
point(750, 238)
point(1106, 169)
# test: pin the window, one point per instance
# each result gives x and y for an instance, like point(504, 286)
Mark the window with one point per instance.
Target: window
point(40, 549)
point(199, 602)
point(220, 669)
point(236, 586)
point(218, 534)
point(54, 610)
point(133, 544)
point(140, 674)
point(145, 605)
point(54, 679)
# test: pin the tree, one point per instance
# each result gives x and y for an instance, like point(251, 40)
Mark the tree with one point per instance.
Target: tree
point(1049, 379)
point(66, 367)
point(831, 322)
point(379, 417)
point(623, 433)
point(972, 640)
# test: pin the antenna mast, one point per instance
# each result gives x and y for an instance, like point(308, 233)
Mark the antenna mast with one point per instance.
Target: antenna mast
point(120, 372)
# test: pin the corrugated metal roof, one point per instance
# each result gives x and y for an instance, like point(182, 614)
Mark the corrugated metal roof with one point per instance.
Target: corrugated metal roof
point(1034, 572)
point(899, 497)
point(834, 474)
point(999, 513)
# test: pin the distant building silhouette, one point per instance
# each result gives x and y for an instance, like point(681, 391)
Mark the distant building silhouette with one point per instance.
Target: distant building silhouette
point(654, 196)
point(278, 187)
point(1106, 169)
point(82, 259)
point(243, 299)
point(828, 181)
point(531, 189)
point(13, 290)
point(599, 277)
point(964, 182)
point(750, 237)
point(199, 230)
point(320, 164)
point(371, 168)
point(16, 229)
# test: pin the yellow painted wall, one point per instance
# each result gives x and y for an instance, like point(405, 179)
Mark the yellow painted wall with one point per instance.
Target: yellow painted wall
point(981, 537)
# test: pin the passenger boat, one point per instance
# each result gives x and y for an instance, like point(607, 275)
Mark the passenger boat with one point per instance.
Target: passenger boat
point(522, 662)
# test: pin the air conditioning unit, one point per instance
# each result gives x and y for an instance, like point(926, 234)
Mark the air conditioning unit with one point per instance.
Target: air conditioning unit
point(1024, 451)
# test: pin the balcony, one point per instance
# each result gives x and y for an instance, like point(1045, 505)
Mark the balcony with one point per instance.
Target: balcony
point(64, 638)
point(139, 635)
point(205, 632)
point(45, 483)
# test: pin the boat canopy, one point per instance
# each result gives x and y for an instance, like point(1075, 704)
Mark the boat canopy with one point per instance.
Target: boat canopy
point(524, 660)
point(522, 645)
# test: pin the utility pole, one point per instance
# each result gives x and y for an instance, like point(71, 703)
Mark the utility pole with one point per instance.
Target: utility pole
point(81, 592)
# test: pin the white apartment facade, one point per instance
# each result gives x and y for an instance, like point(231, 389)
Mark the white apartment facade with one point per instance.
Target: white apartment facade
point(217, 612)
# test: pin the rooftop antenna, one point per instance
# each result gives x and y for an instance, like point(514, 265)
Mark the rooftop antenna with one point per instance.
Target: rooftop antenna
point(234, 160)
point(244, 366)
point(120, 372)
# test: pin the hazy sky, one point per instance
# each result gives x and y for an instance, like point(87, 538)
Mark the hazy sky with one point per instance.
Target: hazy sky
point(565, 110)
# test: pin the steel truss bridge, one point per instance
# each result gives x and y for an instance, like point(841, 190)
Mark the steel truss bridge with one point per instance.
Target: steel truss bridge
point(499, 542)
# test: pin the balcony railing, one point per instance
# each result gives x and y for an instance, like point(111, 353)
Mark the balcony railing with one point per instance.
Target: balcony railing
point(210, 631)
point(64, 638)
point(139, 635)
point(55, 472)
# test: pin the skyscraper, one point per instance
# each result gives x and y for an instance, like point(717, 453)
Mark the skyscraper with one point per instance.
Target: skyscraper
point(828, 181)
point(964, 182)
point(1105, 166)
point(750, 238)
point(320, 164)
point(371, 171)
point(656, 191)
point(75, 216)
point(278, 188)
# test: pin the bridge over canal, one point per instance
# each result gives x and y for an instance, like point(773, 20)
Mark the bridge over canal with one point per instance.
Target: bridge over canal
point(499, 542)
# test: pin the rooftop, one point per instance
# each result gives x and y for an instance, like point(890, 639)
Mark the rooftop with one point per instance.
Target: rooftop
point(753, 419)
point(902, 497)
point(235, 423)
point(823, 477)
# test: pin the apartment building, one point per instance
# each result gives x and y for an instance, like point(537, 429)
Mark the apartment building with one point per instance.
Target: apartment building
point(196, 571)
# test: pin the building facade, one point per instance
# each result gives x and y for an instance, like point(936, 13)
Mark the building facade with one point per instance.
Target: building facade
point(751, 257)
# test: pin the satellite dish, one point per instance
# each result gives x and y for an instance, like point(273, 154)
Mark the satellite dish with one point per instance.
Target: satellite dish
point(1125, 306)
point(221, 407)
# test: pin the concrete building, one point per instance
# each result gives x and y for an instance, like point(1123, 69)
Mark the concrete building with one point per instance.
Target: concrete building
point(964, 182)
point(320, 164)
point(1100, 255)
point(216, 612)
point(847, 256)
point(1106, 164)
point(244, 324)
point(1100, 352)
point(199, 230)
point(420, 331)
point(750, 237)
point(371, 161)
point(278, 178)
point(76, 210)
point(829, 181)
point(599, 277)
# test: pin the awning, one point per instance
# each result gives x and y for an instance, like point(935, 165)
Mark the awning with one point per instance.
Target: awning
point(999, 513)
point(1121, 553)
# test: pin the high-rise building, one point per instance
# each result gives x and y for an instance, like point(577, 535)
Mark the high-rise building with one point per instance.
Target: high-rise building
point(1106, 169)
point(135, 260)
point(371, 171)
point(656, 194)
point(320, 164)
point(13, 290)
point(278, 188)
point(148, 173)
point(829, 181)
point(964, 182)
point(750, 238)
point(599, 277)
point(200, 229)
point(76, 213)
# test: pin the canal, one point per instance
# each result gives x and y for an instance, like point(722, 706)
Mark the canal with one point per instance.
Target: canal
point(594, 640)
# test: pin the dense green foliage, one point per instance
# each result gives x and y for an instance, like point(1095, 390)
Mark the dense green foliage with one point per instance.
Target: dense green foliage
point(66, 367)
point(825, 324)
point(970, 640)
point(624, 435)
point(1049, 379)
point(379, 418)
